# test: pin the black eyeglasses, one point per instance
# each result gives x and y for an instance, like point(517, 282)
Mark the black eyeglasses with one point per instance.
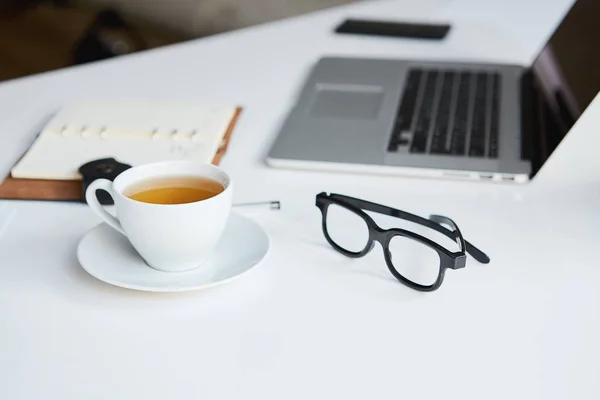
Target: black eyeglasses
point(414, 260)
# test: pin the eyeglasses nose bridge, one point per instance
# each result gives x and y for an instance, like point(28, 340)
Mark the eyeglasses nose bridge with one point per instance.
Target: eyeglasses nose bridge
point(378, 235)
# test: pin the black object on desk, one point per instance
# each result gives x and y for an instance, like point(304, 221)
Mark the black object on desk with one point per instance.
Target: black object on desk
point(106, 168)
point(415, 260)
point(394, 29)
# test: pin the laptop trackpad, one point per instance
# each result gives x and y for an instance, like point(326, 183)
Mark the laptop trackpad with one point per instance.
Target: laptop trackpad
point(347, 101)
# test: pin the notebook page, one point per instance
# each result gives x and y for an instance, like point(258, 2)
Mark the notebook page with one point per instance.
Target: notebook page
point(133, 133)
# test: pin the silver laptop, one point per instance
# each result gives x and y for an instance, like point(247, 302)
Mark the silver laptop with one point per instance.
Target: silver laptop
point(438, 119)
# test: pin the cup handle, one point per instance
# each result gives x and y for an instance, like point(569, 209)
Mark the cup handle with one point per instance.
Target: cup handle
point(92, 201)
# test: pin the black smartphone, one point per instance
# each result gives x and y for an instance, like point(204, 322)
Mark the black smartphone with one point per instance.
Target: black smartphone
point(393, 29)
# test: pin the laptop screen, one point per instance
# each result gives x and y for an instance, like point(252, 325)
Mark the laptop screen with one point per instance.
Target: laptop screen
point(567, 75)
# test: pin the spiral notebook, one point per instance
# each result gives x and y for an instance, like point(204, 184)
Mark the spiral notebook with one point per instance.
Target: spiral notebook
point(134, 133)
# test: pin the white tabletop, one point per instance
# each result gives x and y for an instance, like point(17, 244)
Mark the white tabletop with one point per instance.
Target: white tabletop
point(310, 323)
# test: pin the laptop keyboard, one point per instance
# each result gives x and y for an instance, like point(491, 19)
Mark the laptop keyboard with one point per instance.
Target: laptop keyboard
point(448, 112)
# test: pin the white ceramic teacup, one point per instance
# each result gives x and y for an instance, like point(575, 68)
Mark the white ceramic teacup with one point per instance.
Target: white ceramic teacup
point(169, 237)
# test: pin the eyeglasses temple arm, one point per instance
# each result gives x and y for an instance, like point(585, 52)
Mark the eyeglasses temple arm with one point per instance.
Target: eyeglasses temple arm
point(474, 251)
point(440, 219)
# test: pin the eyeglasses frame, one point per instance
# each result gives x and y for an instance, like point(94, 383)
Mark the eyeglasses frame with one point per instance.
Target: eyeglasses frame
point(448, 259)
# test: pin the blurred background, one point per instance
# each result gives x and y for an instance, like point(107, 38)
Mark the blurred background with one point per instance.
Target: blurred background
point(43, 35)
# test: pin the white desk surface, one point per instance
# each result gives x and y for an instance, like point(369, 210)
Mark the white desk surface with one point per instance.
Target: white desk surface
point(310, 323)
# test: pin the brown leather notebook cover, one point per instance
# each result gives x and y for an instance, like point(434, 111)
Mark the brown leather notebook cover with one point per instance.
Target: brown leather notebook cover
point(61, 190)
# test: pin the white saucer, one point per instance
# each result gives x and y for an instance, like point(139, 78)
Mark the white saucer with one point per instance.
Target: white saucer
point(108, 256)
